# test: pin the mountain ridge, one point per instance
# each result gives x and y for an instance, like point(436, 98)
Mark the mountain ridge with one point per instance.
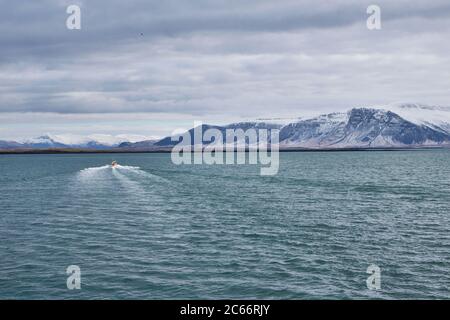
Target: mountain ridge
point(391, 126)
point(357, 128)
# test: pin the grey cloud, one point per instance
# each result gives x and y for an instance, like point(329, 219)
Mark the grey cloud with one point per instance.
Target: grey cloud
point(37, 29)
point(231, 58)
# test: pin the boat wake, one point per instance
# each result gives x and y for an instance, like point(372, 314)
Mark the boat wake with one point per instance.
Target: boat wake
point(122, 170)
point(118, 166)
point(129, 185)
point(144, 174)
point(94, 169)
point(132, 185)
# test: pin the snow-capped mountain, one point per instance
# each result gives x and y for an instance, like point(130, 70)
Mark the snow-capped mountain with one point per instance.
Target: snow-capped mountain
point(322, 130)
point(358, 128)
point(436, 117)
point(362, 127)
point(43, 142)
point(8, 145)
point(169, 142)
point(101, 140)
point(140, 145)
point(48, 141)
point(396, 125)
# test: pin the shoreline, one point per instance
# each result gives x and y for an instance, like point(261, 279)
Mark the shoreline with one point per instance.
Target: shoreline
point(168, 150)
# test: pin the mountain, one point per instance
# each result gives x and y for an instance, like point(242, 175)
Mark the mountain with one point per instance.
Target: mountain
point(357, 128)
point(395, 125)
point(170, 142)
point(363, 128)
point(146, 144)
point(9, 145)
point(93, 142)
point(315, 132)
point(43, 142)
point(436, 117)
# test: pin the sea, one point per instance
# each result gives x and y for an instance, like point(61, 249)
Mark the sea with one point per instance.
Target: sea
point(150, 229)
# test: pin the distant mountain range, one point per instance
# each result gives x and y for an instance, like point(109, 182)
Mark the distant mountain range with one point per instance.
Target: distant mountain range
point(393, 126)
point(94, 142)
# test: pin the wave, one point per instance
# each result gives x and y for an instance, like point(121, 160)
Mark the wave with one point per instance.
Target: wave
point(141, 173)
point(128, 171)
point(94, 169)
point(92, 173)
point(129, 185)
point(118, 166)
point(138, 171)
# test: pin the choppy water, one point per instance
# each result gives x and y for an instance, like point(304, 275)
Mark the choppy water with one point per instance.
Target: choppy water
point(152, 230)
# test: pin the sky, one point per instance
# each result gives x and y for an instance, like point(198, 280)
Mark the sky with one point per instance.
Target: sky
point(144, 67)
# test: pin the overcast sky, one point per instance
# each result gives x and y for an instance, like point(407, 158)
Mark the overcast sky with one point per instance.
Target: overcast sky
point(213, 60)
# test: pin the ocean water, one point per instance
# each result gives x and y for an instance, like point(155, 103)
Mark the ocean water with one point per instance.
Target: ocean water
point(153, 230)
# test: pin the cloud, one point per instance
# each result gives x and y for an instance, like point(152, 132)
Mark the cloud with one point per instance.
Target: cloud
point(219, 59)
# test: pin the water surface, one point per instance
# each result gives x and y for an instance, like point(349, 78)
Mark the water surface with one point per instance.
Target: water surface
point(154, 230)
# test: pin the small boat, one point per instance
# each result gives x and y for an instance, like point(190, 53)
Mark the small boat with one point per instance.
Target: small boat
point(114, 164)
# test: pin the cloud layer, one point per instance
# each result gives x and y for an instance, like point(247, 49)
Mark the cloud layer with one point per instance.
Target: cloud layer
point(220, 59)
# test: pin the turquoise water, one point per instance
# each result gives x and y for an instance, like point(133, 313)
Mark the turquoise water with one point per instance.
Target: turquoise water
point(155, 230)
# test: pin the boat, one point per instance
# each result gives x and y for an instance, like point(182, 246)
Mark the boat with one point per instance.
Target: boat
point(114, 164)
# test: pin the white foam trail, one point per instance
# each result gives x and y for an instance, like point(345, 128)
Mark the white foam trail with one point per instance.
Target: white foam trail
point(94, 169)
point(92, 172)
point(142, 173)
point(130, 185)
point(118, 166)
point(91, 178)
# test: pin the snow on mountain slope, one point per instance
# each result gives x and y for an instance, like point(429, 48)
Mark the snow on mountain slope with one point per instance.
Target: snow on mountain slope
point(357, 128)
point(320, 131)
point(436, 117)
point(95, 141)
point(45, 141)
point(9, 145)
point(361, 127)
point(396, 125)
